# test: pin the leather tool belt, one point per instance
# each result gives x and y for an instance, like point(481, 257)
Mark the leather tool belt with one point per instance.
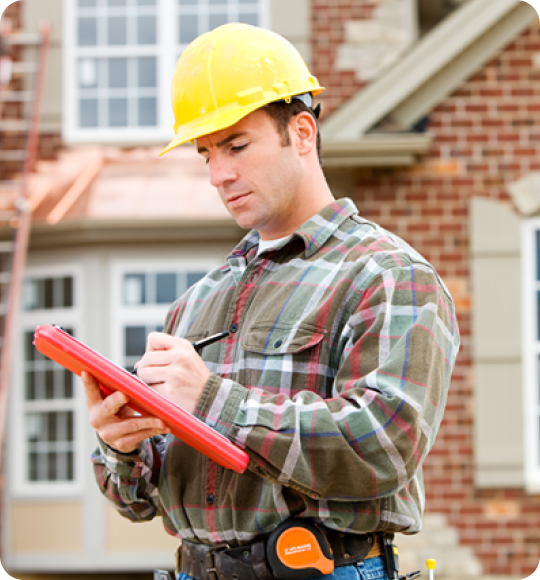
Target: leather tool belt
point(220, 562)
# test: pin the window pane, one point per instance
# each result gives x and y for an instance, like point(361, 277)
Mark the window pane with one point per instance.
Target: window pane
point(116, 2)
point(148, 112)
point(146, 2)
point(32, 467)
point(117, 30)
point(118, 114)
point(146, 30)
point(68, 385)
point(147, 69)
point(68, 292)
point(87, 72)
point(215, 2)
point(88, 112)
point(134, 289)
point(86, 3)
point(135, 339)
point(49, 384)
point(49, 293)
point(249, 18)
point(188, 28)
point(30, 393)
point(538, 314)
point(165, 288)
point(51, 471)
point(538, 254)
point(87, 31)
point(70, 469)
point(118, 73)
point(187, 2)
point(215, 20)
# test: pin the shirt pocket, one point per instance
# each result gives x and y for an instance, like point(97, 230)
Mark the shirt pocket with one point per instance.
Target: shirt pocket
point(284, 356)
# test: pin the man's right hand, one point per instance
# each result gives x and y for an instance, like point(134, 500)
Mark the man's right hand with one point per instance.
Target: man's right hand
point(116, 424)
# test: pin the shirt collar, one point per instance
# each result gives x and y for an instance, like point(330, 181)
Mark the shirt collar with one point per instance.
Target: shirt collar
point(314, 233)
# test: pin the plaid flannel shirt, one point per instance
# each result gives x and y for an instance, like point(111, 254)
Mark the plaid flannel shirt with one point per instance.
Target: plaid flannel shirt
point(334, 379)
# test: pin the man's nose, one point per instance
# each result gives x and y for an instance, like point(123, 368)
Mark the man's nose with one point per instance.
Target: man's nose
point(221, 171)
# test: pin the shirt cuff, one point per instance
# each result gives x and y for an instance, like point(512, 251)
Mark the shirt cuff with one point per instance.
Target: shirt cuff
point(219, 403)
point(122, 464)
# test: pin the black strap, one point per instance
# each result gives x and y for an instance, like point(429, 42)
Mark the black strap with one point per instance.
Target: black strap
point(249, 562)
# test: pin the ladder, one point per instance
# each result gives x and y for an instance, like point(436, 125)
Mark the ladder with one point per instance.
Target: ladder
point(16, 213)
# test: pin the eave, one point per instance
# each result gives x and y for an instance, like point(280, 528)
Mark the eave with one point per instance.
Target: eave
point(377, 150)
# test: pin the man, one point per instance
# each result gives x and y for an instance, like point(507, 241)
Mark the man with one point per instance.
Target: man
point(342, 341)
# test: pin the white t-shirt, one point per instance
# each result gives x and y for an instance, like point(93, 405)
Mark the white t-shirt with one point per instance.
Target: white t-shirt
point(265, 244)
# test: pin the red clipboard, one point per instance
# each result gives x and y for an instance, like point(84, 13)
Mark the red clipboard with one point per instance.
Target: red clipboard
point(61, 347)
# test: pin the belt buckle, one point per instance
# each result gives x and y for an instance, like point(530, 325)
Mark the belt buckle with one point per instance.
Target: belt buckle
point(210, 564)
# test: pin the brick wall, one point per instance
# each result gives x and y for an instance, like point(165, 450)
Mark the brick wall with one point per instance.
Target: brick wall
point(49, 144)
point(486, 135)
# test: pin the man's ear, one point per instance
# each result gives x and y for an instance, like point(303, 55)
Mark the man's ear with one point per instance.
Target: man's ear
point(303, 130)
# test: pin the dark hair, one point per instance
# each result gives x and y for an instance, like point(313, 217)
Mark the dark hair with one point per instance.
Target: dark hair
point(281, 113)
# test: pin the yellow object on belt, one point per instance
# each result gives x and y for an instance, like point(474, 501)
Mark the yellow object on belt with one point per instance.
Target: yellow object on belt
point(376, 549)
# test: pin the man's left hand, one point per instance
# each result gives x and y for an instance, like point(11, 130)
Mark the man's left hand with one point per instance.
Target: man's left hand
point(173, 368)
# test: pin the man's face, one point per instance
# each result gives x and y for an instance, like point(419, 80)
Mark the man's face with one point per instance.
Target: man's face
point(257, 178)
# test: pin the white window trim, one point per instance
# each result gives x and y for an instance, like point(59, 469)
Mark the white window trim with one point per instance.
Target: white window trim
point(20, 487)
point(145, 314)
point(531, 353)
point(167, 52)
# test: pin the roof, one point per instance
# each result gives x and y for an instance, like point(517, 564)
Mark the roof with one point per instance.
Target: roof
point(105, 183)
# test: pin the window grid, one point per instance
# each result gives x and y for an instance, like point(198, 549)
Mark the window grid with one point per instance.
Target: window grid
point(142, 302)
point(48, 399)
point(198, 16)
point(98, 111)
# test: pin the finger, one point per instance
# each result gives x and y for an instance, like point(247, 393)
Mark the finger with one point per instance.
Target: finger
point(157, 358)
point(130, 443)
point(132, 427)
point(161, 341)
point(92, 391)
point(113, 403)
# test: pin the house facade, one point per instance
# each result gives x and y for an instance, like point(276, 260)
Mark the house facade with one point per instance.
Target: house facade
point(431, 124)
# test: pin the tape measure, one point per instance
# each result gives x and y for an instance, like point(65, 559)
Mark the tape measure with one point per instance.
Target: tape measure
point(297, 549)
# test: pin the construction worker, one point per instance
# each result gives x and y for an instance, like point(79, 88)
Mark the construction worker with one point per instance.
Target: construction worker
point(335, 373)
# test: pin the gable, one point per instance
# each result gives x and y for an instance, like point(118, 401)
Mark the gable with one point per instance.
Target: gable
point(438, 64)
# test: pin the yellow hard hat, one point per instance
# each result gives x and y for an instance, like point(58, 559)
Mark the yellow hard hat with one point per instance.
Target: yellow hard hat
point(229, 72)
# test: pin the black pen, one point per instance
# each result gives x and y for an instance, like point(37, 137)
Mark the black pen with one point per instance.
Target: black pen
point(211, 339)
point(201, 344)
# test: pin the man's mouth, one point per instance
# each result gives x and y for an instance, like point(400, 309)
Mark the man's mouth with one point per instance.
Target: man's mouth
point(236, 199)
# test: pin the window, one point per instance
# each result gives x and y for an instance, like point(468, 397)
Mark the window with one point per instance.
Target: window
point(143, 296)
point(531, 342)
point(47, 400)
point(119, 56)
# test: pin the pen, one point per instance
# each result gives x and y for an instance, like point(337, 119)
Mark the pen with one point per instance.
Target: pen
point(211, 339)
point(201, 344)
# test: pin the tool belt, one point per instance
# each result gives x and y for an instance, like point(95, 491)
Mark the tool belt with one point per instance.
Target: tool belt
point(220, 562)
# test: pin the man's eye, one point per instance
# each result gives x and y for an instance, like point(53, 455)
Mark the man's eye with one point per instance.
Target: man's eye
point(237, 148)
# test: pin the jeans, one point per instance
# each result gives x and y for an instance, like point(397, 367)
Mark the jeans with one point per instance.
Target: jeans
point(372, 569)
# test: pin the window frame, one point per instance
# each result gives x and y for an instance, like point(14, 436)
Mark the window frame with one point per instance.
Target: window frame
point(21, 486)
point(146, 314)
point(167, 50)
point(531, 355)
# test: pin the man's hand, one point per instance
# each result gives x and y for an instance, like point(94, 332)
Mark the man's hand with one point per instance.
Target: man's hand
point(174, 369)
point(117, 425)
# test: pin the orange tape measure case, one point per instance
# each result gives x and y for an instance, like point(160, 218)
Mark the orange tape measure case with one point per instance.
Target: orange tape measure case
point(298, 549)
